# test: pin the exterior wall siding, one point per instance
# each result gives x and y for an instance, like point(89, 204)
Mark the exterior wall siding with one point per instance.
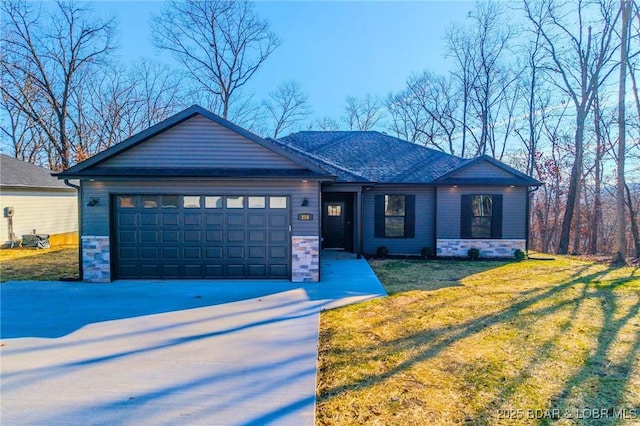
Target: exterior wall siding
point(200, 143)
point(46, 211)
point(96, 218)
point(514, 208)
point(424, 221)
point(483, 169)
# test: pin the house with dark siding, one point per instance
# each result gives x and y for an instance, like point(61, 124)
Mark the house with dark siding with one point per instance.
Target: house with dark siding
point(198, 197)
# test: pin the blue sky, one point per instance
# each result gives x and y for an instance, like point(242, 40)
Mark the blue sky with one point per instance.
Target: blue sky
point(332, 49)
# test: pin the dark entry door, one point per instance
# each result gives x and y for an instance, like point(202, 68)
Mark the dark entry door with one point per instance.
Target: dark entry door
point(333, 224)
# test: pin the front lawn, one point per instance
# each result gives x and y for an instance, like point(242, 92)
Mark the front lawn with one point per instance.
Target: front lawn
point(461, 342)
point(38, 264)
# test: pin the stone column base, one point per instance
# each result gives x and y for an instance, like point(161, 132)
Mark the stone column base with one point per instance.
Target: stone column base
point(488, 248)
point(96, 259)
point(305, 259)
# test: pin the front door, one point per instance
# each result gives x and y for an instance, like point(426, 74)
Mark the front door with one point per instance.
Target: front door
point(333, 224)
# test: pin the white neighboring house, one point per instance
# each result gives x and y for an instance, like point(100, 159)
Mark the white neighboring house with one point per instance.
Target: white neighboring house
point(39, 202)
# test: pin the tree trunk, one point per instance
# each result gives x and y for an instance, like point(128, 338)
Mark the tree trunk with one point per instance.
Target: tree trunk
point(621, 243)
point(634, 222)
point(574, 184)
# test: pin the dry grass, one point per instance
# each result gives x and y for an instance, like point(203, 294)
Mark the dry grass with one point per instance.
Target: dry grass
point(19, 264)
point(461, 342)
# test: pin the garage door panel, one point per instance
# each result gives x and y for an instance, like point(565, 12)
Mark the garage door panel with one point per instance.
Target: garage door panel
point(127, 237)
point(214, 219)
point(192, 236)
point(278, 270)
point(256, 271)
point(191, 219)
point(235, 236)
point(257, 252)
point(170, 253)
point(235, 252)
point(235, 219)
point(149, 219)
point(210, 236)
point(170, 236)
point(276, 237)
point(277, 252)
point(214, 252)
point(214, 236)
point(149, 237)
point(170, 219)
point(149, 253)
point(278, 219)
point(235, 271)
point(192, 253)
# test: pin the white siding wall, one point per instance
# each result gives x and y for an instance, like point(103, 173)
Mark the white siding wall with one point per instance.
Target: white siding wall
point(48, 212)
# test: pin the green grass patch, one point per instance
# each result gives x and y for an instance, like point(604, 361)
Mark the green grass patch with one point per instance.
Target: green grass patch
point(20, 264)
point(485, 342)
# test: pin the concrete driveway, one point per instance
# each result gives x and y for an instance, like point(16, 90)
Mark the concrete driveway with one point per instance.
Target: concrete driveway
point(167, 353)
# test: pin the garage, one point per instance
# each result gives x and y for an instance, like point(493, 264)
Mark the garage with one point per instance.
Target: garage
point(200, 236)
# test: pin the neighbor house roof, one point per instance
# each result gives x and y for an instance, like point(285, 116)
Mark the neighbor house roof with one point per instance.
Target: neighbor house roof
point(20, 174)
point(369, 156)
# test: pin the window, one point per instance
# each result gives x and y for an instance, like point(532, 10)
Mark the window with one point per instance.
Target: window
point(191, 201)
point(213, 202)
point(170, 201)
point(334, 210)
point(127, 202)
point(257, 202)
point(395, 216)
point(481, 216)
point(278, 202)
point(149, 201)
point(236, 202)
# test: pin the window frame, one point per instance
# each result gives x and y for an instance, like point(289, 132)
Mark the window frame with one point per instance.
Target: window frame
point(467, 216)
point(381, 216)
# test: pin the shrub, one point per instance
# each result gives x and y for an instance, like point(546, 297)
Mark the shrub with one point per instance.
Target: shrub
point(473, 253)
point(382, 251)
point(519, 254)
point(426, 252)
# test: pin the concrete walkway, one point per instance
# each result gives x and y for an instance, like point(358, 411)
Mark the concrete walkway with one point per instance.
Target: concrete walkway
point(168, 353)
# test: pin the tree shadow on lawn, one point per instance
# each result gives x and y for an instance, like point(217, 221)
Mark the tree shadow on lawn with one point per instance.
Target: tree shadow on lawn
point(598, 382)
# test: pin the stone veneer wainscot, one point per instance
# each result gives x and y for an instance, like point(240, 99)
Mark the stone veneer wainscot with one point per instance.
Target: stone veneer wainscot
point(305, 259)
point(488, 248)
point(96, 259)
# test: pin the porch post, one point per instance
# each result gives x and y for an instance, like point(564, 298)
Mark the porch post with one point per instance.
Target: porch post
point(359, 224)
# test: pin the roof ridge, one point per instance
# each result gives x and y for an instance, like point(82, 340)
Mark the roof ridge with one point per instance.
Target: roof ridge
point(322, 159)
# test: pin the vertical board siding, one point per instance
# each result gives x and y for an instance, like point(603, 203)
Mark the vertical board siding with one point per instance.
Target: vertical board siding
point(514, 209)
point(424, 222)
point(48, 212)
point(96, 218)
point(200, 142)
point(483, 169)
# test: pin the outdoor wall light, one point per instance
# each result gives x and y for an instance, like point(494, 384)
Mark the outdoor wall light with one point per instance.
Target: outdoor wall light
point(305, 203)
point(93, 202)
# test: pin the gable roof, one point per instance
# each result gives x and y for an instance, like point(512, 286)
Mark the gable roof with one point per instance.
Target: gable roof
point(89, 166)
point(371, 156)
point(518, 178)
point(20, 174)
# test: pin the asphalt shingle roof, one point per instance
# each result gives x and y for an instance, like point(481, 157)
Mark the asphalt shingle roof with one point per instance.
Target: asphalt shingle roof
point(369, 156)
point(18, 173)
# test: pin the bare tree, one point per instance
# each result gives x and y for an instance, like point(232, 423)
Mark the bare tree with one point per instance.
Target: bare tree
point(480, 53)
point(579, 55)
point(621, 243)
point(325, 123)
point(220, 44)
point(45, 57)
point(363, 113)
point(286, 107)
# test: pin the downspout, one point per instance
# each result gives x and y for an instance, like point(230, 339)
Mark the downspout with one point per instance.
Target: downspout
point(528, 223)
point(79, 189)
